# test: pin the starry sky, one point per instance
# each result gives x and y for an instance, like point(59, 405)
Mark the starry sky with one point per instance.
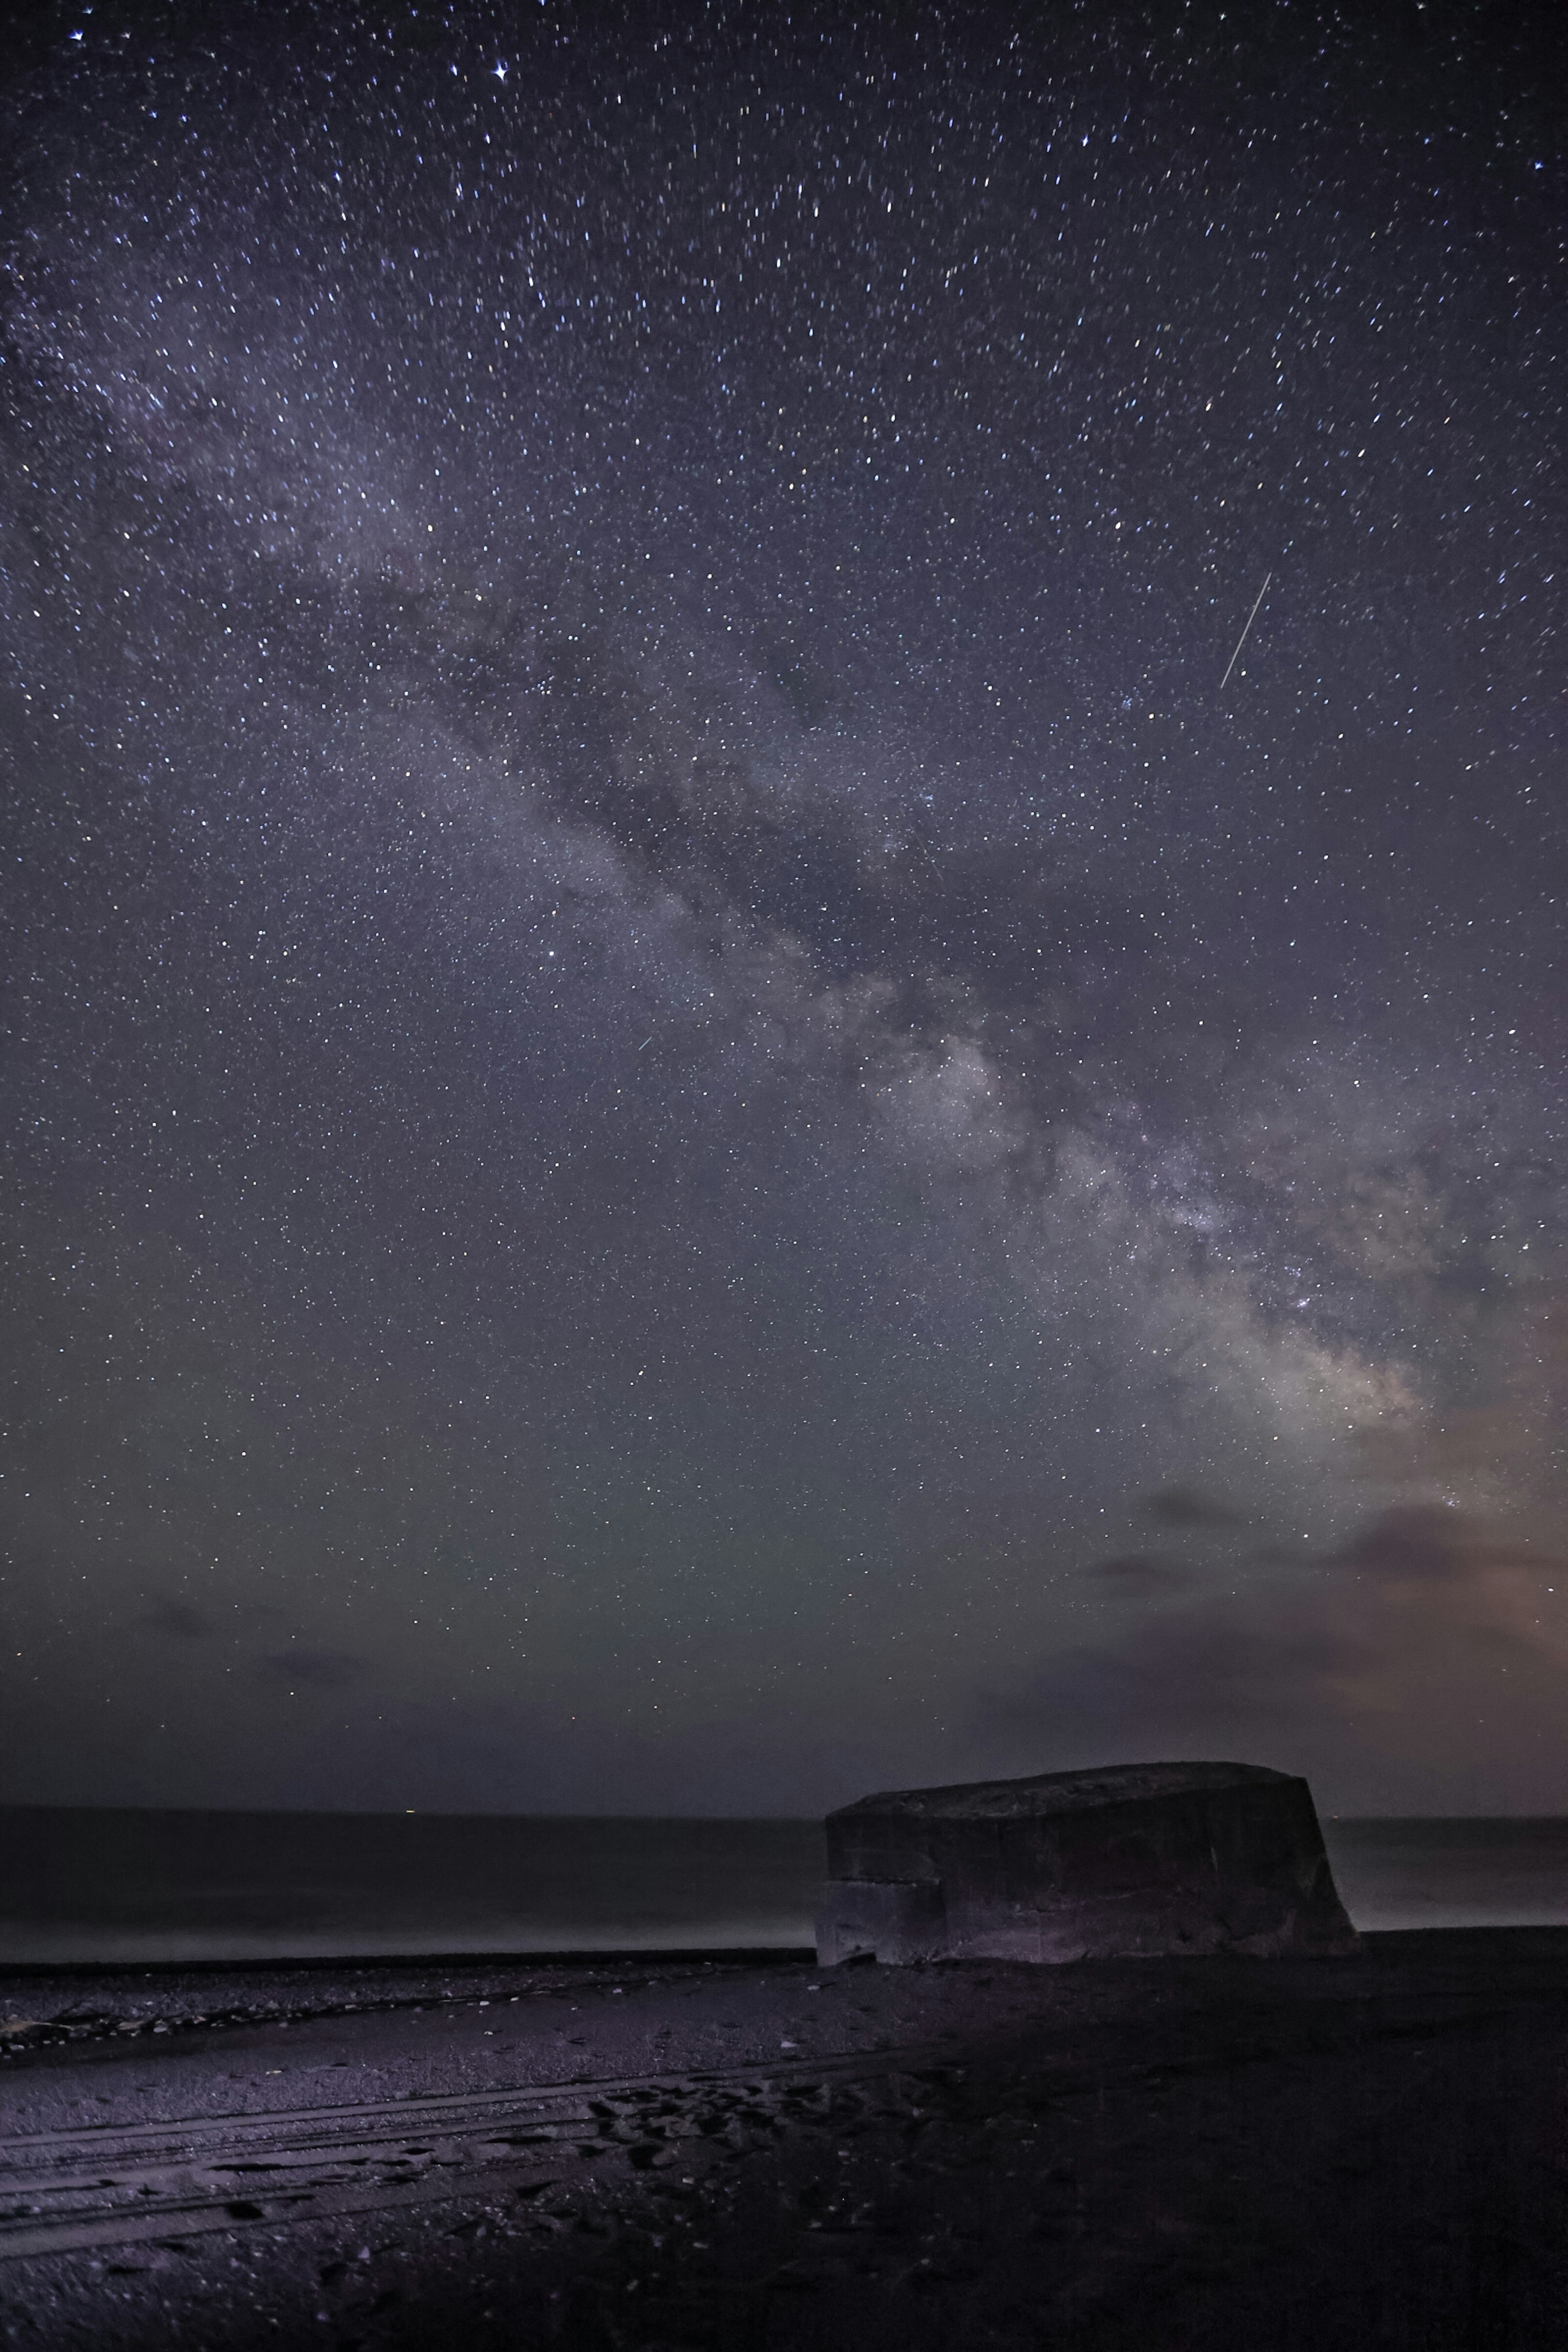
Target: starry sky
point(702, 1110)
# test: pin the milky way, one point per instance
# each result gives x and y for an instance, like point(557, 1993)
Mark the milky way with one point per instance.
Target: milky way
point(698, 1117)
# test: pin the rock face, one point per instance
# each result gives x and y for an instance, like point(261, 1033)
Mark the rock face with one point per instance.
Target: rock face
point(1131, 1862)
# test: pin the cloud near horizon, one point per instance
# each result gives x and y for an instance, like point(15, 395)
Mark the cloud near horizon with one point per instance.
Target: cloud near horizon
point(1188, 1507)
point(1429, 1634)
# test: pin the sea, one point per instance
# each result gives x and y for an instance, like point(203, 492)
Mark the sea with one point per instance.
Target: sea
point(108, 1887)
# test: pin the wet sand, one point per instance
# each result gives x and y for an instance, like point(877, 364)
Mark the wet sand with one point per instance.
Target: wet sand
point(736, 2154)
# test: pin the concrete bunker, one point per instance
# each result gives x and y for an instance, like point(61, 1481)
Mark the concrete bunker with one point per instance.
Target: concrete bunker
point(1128, 1862)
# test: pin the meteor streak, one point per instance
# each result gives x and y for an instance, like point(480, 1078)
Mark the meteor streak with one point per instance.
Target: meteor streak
point(1242, 640)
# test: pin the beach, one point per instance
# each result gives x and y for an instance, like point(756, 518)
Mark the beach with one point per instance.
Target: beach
point(716, 2151)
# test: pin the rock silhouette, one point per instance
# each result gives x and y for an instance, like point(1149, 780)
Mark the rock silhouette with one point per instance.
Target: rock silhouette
point(1133, 1860)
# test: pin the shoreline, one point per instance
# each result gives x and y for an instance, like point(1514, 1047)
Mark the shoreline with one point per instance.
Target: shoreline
point(98, 1889)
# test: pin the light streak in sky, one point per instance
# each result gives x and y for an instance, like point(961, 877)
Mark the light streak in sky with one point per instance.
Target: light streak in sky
point(1242, 640)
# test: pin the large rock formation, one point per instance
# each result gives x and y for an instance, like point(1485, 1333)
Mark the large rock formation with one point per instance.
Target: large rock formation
point(1133, 1860)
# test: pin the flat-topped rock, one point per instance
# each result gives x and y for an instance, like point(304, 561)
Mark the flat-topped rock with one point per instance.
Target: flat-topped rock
point(1130, 1861)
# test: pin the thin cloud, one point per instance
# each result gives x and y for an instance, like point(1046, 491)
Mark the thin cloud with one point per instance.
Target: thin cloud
point(1140, 1572)
point(1424, 1541)
point(1431, 1633)
point(1189, 1507)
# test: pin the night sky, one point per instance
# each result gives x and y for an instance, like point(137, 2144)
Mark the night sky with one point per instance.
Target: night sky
point(695, 1119)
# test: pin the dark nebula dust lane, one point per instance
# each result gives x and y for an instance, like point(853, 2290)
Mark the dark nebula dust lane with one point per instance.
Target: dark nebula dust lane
point(698, 1114)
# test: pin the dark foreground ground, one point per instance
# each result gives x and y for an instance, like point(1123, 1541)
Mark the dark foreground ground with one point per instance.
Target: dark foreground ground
point(723, 2156)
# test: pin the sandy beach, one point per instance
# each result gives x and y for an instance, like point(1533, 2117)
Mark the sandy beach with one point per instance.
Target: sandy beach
point(753, 2152)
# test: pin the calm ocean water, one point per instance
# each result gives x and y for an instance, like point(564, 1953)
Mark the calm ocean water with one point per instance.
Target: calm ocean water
point(142, 1885)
